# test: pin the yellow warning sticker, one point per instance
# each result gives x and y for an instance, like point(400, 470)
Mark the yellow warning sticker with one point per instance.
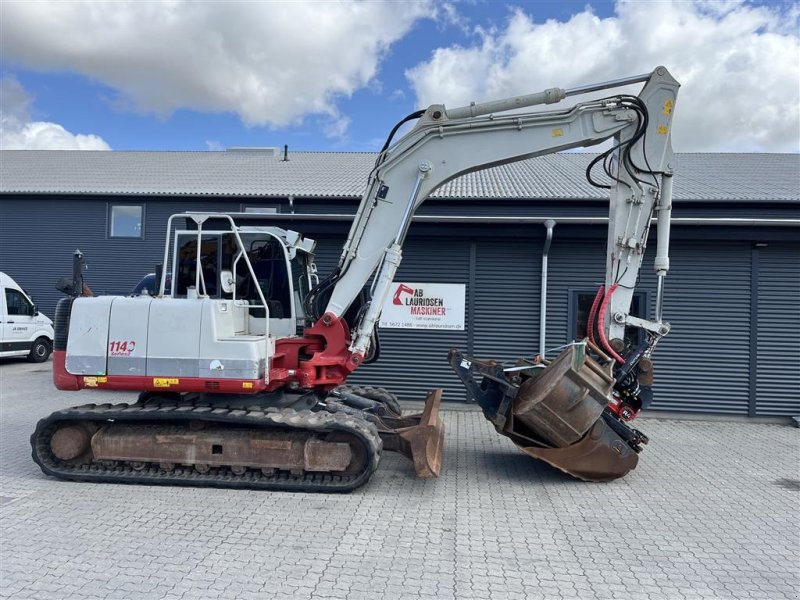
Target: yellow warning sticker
point(668, 106)
point(165, 381)
point(662, 130)
point(557, 132)
point(93, 381)
point(247, 384)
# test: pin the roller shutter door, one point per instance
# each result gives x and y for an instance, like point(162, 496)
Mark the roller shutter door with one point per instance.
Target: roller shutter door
point(507, 283)
point(778, 345)
point(703, 365)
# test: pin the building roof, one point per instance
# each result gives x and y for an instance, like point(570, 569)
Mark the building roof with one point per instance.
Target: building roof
point(263, 173)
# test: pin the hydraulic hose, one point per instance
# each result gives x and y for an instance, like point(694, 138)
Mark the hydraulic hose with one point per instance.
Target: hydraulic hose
point(601, 325)
point(593, 313)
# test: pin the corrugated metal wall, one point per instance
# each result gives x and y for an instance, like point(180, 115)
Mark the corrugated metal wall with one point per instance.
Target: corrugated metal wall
point(715, 359)
point(702, 366)
point(778, 337)
point(38, 239)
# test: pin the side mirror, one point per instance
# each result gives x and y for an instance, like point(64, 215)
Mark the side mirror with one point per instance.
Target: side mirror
point(227, 282)
point(35, 311)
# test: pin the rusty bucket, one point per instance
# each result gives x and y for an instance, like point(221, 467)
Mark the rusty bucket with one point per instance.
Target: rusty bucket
point(601, 455)
point(566, 399)
point(558, 417)
point(556, 413)
point(419, 437)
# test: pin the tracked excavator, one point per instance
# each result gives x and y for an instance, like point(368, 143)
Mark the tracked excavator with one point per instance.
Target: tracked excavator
point(241, 362)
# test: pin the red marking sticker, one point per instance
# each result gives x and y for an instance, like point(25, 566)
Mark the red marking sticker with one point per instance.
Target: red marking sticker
point(121, 348)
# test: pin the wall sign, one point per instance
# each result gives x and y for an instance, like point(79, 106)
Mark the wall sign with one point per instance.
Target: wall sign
point(424, 306)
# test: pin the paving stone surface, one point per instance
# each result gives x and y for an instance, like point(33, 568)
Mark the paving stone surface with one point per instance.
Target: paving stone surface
point(712, 511)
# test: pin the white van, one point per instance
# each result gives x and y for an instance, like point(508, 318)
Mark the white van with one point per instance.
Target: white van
point(24, 331)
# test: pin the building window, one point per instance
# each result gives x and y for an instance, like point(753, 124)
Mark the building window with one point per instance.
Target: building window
point(125, 221)
point(580, 304)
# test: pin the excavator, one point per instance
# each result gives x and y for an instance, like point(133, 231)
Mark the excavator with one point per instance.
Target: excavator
point(241, 361)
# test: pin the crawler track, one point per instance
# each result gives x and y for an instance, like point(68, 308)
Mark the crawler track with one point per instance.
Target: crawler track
point(185, 415)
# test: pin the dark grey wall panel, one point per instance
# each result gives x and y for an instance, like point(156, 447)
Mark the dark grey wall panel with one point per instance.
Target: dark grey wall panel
point(39, 236)
point(574, 264)
point(572, 208)
point(702, 365)
point(327, 253)
point(778, 327)
point(548, 208)
point(414, 361)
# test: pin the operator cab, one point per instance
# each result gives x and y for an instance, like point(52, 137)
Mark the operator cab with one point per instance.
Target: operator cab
point(246, 266)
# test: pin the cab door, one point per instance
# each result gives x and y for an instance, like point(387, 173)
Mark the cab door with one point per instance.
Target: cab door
point(18, 321)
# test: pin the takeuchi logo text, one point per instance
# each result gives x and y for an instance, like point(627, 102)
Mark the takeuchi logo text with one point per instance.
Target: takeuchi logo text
point(418, 302)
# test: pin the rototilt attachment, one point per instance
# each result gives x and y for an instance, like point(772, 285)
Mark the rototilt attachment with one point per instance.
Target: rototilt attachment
point(557, 412)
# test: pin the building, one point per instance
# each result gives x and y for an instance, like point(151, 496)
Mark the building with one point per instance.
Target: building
point(732, 294)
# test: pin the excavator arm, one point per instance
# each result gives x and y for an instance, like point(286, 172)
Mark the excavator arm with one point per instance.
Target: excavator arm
point(570, 412)
point(445, 144)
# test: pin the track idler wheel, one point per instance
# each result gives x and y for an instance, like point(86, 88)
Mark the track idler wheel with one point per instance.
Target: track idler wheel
point(71, 442)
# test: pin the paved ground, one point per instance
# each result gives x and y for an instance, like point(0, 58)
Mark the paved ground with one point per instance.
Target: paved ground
point(711, 512)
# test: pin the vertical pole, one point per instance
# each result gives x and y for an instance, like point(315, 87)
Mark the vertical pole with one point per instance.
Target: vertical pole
point(549, 224)
point(77, 273)
point(753, 362)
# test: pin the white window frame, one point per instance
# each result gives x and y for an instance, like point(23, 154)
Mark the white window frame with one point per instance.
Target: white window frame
point(110, 220)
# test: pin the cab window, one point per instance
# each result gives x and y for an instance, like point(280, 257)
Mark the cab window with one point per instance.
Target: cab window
point(268, 258)
point(209, 261)
point(18, 304)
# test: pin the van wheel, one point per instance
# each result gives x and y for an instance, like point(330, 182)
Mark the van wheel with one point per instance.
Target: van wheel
point(40, 351)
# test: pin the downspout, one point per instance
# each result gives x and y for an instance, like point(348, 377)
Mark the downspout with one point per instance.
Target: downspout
point(549, 224)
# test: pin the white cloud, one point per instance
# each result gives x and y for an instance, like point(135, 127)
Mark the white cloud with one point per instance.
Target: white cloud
point(18, 132)
point(739, 66)
point(336, 128)
point(272, 63)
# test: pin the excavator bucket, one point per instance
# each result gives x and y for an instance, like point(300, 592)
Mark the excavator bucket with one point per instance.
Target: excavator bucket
point(601, 455)
point(419, 437)
point(556, 412)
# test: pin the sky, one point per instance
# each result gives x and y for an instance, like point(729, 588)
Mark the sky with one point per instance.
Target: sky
point(336, 75)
